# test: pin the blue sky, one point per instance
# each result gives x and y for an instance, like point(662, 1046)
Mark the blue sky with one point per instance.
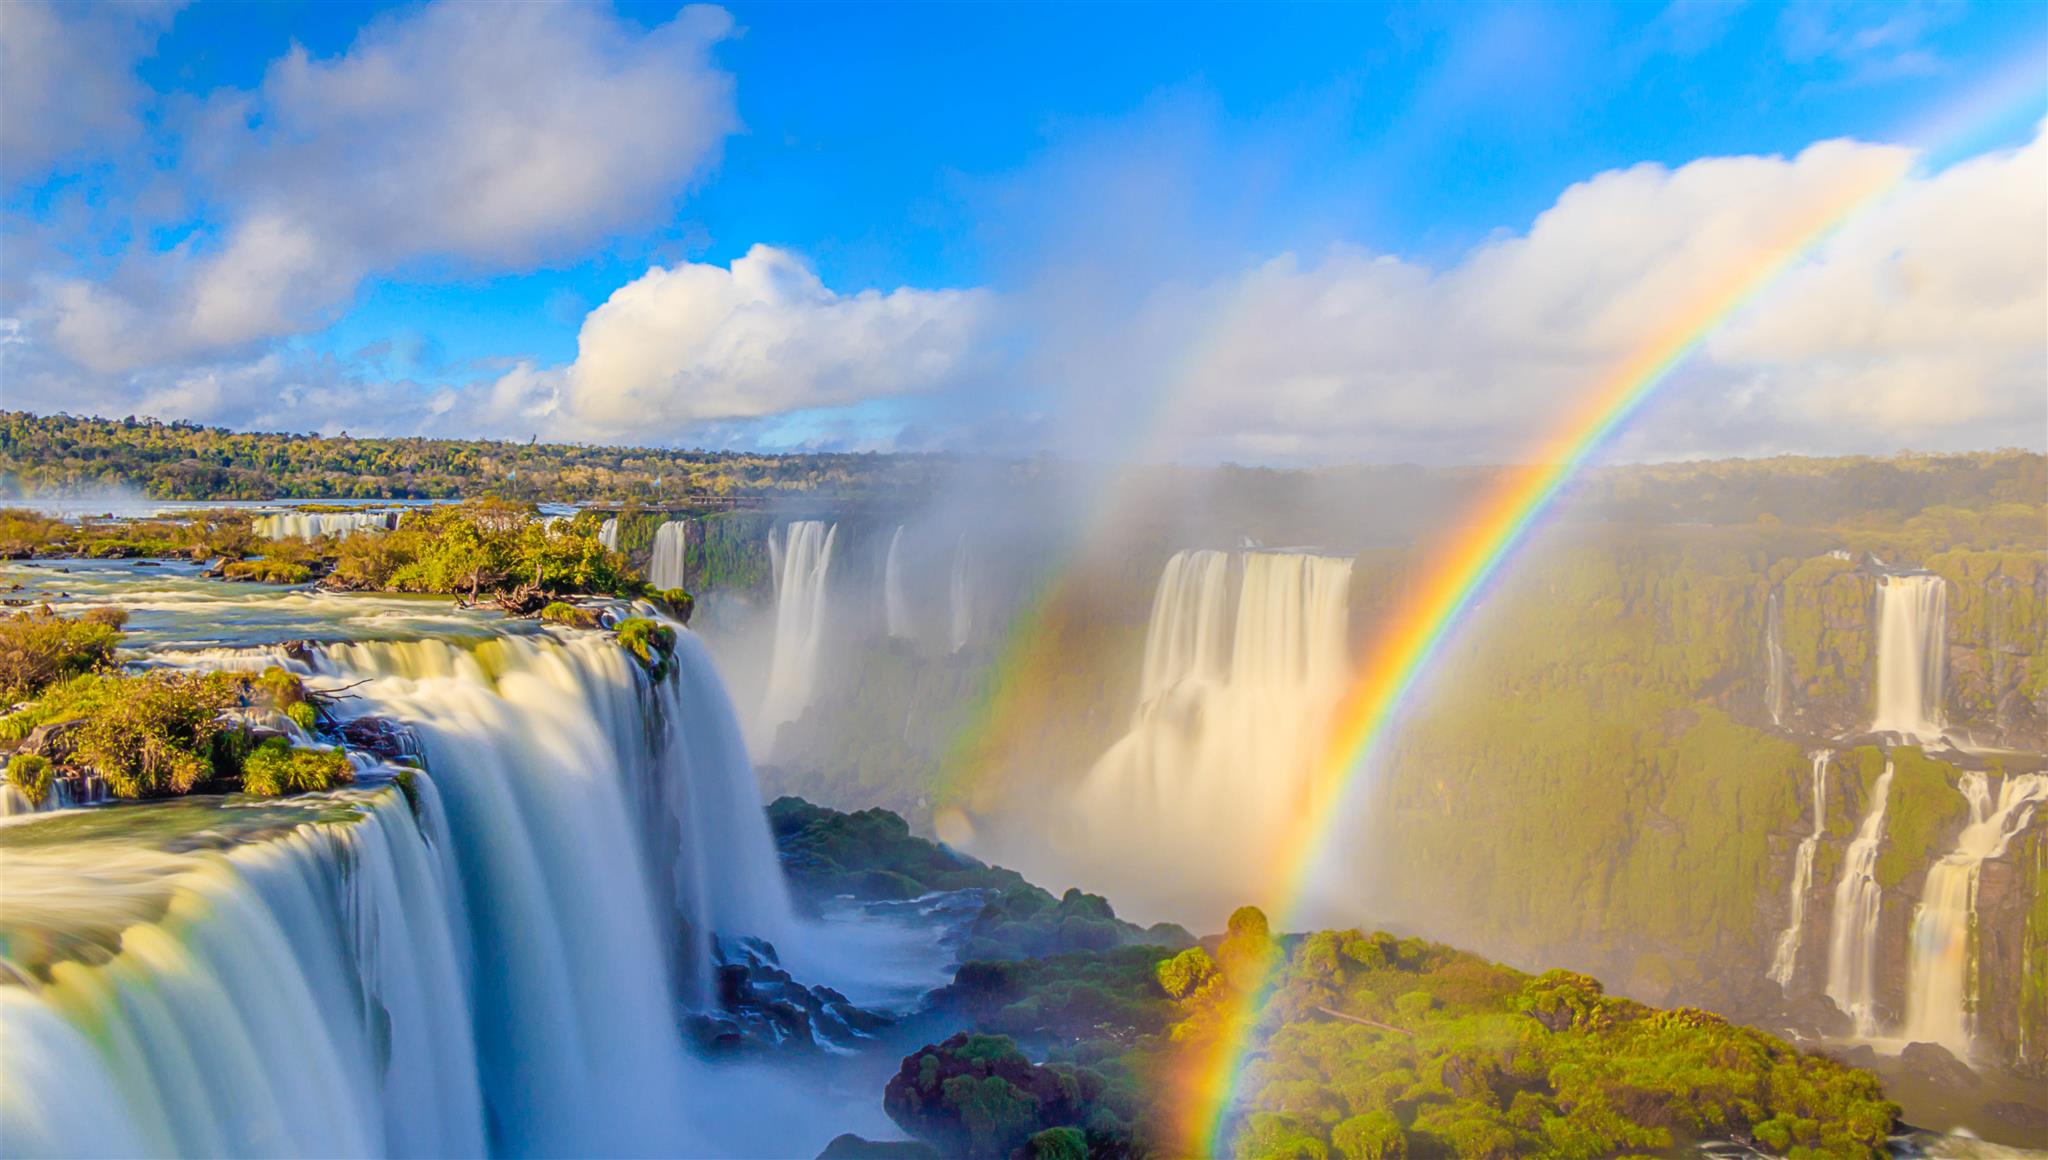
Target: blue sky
point(1133, 164)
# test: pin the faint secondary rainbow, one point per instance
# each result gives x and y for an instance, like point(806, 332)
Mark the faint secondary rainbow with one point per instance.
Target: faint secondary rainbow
point(1459, 568)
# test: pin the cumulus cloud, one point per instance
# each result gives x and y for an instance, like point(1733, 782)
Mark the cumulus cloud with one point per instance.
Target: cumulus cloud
point(694, 343)
point(477, 137)
point(67, 79)
point(1922, 323)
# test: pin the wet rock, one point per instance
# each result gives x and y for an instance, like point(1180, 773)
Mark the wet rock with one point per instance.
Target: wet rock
point(1855, 1055)
point(1937, 1065)
point(216, 570)
point(54, 740)
point(381, 736)
point(770, 1008)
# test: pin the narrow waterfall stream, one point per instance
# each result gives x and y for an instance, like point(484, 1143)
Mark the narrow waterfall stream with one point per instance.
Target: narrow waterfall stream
point(895, 605)
point(802, 564)
point(1785, 956)
point(1775, 666)
point(667, 567)
point(1852, 942)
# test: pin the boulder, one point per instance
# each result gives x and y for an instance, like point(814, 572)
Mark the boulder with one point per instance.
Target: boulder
point(1937, 1065)
point(53, 740)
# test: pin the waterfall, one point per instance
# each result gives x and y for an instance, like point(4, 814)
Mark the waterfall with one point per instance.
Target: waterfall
point(1912, 648)
point(1941, 993)
point(608, 533)
point(305, 994)
point(1232, 708)
point(666, 569)
point(801, 564)
point(313, 525)
point(1785, 958)
point(1774, 662)
point(499, 973)
point(1852, 941)
point(960, 594)
point(895, 606)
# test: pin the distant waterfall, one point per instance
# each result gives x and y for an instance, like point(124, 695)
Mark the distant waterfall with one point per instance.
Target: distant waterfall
point(608, 533)
point(1785, 958)
point(895, 605)
point(667, 568)
point(1774, 662)
point(312, 525)
point(305, 995)
point(1230, 717)
point(1852, 943)
point(801, 563)
point(960, 592)
point(1912, 656)
point(1942, 988)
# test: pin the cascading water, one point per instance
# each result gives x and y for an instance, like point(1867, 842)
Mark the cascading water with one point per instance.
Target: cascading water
point(1785, 957)
point(960, 598)
point(1912, 656)
point(1221, 749)
point(608, 533)
point(801, 564)
point(1774, 662)
point(304, 993)
point(1852, 941)
point(1942, 983)
point(895, 605)
point(508, 985)
point(312, 525)
point(666, 568)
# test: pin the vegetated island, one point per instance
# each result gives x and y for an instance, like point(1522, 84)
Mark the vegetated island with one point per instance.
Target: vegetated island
point(1080, 1031)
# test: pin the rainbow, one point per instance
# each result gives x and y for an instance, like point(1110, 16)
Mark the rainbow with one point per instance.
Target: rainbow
point(1458, 571)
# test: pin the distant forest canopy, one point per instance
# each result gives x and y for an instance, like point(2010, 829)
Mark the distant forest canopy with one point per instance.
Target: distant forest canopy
point(185, 461)
point(42, 454)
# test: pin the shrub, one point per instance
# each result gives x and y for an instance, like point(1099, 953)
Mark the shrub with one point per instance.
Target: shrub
point(1375, 1135)
point(152, 735)
point(40, 648)
point(32, 775)
point(268, 570)
point(276, 768)
point(303, 715)
point(1057, 1144)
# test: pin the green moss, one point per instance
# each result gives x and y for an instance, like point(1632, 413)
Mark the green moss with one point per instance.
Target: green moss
point(651, 641)
point(1923, 814)
point(31, 774)
point(276, 768)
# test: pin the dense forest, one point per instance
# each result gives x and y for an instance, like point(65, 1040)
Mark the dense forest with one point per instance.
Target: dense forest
point(55, 453)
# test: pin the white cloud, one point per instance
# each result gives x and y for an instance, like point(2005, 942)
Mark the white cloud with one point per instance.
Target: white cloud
point(67, 79)
point(482, 137)
point(694, 343)
point(1922, 323)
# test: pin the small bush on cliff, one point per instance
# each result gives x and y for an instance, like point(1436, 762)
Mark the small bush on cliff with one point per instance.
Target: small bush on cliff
point(276, 768)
